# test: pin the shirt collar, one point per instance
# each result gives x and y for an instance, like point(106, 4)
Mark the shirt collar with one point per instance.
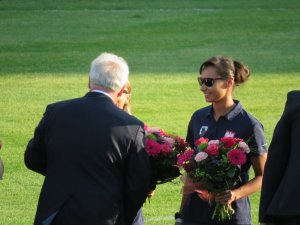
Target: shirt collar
point(102, 92)
point(230, 115)
point(235, 111)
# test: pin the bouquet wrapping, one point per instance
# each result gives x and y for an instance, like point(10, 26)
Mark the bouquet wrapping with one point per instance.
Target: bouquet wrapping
point(217, 165)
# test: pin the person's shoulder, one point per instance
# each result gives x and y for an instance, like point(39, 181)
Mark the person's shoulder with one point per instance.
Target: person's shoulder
point(294, 96)
point(62, 104)
point(293, 102)
point(252, 119)
point(126, 118)
point(202, 111)
point(134, 120)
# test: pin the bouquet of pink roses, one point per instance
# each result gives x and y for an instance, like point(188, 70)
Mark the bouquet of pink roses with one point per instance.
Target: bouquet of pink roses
point(217, 164)
point(163, 149)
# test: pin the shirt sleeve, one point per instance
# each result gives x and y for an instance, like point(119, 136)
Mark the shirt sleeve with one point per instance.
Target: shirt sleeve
point(190, 134)
point(258, 143)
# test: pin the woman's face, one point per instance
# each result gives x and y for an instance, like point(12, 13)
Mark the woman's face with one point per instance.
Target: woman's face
point(123, 99)
point(214, 87)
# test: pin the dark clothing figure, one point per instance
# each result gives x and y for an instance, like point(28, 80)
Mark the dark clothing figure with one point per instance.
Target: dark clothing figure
point(279, 203)
point(93, 157)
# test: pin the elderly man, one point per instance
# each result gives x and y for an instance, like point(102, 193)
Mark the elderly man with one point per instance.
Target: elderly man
point(92, 154)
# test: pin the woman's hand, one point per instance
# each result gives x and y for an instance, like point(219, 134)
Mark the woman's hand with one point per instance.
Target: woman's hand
point(126, 108)
point(226, 197)
point(151, 193)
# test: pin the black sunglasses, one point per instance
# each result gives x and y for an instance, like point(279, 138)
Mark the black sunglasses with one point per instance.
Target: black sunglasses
point(209, 82)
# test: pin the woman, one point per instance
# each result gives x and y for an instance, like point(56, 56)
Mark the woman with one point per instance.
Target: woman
point(123, 102)
point(224, 117)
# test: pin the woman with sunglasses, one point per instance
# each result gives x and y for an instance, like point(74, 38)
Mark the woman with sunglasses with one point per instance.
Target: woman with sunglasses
point(224, 117)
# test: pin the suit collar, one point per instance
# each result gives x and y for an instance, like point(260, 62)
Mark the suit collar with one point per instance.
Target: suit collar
point(102, 92)
point(97, 95)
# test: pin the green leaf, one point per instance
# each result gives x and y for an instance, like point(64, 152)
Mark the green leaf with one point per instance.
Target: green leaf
point(231, 172)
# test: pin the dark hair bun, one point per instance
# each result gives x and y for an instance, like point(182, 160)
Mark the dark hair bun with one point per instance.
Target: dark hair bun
point(241, 72)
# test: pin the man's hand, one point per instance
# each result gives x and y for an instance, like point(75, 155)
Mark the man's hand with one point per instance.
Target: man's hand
point(205, 195)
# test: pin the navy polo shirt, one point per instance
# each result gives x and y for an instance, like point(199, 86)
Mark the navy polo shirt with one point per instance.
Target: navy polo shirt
point(237, 123)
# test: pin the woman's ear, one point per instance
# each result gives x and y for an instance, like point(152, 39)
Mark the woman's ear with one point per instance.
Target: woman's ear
point(230, 82)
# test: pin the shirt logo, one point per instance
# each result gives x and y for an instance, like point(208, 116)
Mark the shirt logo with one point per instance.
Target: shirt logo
point(203, 130)
point(229, 133)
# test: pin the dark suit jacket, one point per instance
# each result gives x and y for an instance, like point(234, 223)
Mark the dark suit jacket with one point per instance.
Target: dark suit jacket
point(280, 195)
point(94, 161)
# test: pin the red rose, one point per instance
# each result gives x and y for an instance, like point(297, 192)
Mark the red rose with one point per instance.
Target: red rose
point(201, 140)
point(229, 141)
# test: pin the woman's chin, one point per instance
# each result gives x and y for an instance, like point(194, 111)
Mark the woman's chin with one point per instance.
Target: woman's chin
point(207, 99)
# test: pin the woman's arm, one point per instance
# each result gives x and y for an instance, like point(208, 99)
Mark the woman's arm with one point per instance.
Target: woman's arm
point(248, 188)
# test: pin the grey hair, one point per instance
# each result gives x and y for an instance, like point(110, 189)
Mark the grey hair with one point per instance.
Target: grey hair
point(109, 71)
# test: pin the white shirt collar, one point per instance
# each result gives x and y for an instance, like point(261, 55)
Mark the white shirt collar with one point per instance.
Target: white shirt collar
point(102, 92)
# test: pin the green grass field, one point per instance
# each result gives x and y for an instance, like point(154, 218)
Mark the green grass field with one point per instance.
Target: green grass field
point(46, 48)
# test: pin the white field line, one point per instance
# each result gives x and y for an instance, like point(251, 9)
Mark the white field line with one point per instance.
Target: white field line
point(143, 10)
point(167, 218)
point(161, 218)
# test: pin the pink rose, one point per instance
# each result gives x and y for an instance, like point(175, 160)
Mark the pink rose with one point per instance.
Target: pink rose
point(169, 140)
point(185, 157)
point(212, 150)
point(201, 156)
point(216, 142)
point(166, 149)
point(245, 148)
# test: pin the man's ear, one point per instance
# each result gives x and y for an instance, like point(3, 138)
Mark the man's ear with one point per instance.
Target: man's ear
point(121, 91)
